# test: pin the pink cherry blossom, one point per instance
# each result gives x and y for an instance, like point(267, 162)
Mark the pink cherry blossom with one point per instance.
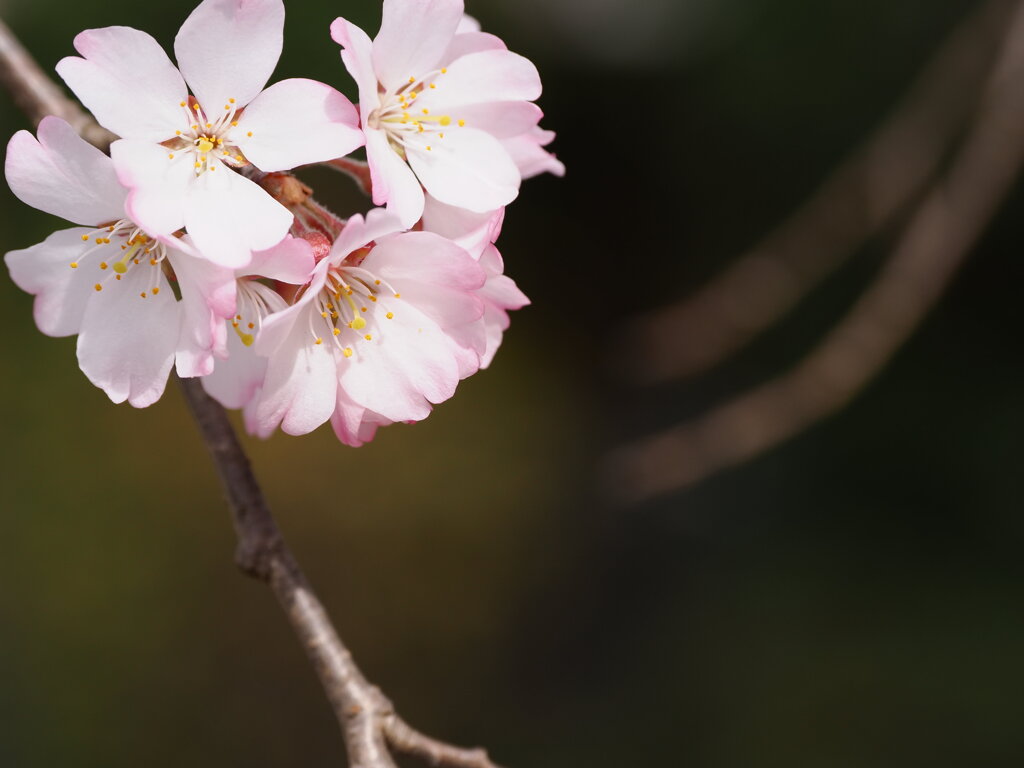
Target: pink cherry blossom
point(236, 381)
point(110, 281)
point(178, 154)
point(437, 99)
point(387, 327)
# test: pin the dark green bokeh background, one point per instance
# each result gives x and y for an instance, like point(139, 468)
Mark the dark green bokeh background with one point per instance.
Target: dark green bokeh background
point(852, 599)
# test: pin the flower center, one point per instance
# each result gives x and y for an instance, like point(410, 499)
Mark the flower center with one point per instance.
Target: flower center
point(207, 138)
point(407, 124)
point(254, 301)
point(121, 247)
point(348, 307)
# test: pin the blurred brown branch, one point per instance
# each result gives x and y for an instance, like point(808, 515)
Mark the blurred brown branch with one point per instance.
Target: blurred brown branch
point(37, 95)
point(863, 196)
point(356, 170)
point(938, 238)
point(367, 718)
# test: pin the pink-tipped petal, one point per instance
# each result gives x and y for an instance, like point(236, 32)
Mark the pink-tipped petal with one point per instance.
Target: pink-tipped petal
point(414, 34)
point(297, 122)
point(64, 175)
point(157, 183)
point(290, 261)
point(227, 49)
point(352, 423)
point(357, 55)
point(207, 299)
point(301, 384)
point(471, 41)
point(45, 271)
point(481, 78)
point(127, 343)
point(127, 81)
point(469, 230)
point(229, 217)
point(469, 169)
point(502, 119)
point(362, 231)
point(528, 153)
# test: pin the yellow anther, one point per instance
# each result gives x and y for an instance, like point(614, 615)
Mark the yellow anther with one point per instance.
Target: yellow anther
point(103, 265)
point(170, 156)
point(249, 134)
point(177, 133)
point(368, 337)
point(98, 287)
point(440, 135)
point(156, 291)
point(248, 339)
point(412, 80)
point(227, 106)
point(337, 331)
point(199, 165)
point(462, 123)
point(182, 104)
point(390, 315)
point(74, 265)
point(347, 352)
point(323, 315)
point(142, 295)
point(234, 123)
point(428, 147)
point(426, 111)
point(231, 101)
point(398, 295)
point(376, 282)
point(209, 125)
point(444, 71)
point(85, 237)
point(118, 277)
point(433, 85)
point(413, 95)
point(251, 326)
point(319, 340)
point(205, 145)
point(373, 298)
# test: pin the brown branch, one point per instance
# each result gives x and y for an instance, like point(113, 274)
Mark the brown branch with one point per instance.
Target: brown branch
point(368, 720)
point(861, 198)
point(37, 95)
point(939, 237)
point(354, 169)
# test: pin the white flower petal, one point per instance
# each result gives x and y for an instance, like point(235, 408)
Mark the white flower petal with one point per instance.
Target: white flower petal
point(229, 217)
point(413, 37)
point(157, 183)
point(61, 292)
point(227, 49)
point(207, 299)
point(64, 175)
point(483, 78)
point(467, 168)
point(126, 345)
point(297, 122)
point(393, 181)
point(127, 82)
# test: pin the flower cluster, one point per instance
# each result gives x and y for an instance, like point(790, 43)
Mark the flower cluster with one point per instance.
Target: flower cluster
point(194, 248)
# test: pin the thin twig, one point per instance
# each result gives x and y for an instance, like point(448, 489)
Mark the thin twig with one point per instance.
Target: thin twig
point(860, 199)
point(367, 718)
point(368, 721)
point(938, 239)
point(354, 169)
point(37, 95)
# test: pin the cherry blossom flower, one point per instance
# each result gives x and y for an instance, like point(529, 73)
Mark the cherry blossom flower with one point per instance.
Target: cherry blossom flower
point(178, 153)
point(388, 326)
point(437, 99)
point(236, 381)
point(110, 281)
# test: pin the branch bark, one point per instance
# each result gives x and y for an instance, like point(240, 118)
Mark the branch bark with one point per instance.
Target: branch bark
point(859, 200)
point(371, 728)
point(938, 239)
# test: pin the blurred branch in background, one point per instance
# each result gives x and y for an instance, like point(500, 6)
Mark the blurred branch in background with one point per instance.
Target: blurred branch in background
point(865, 195)
point(940, 235)
point(368, 720)
point(37, 95)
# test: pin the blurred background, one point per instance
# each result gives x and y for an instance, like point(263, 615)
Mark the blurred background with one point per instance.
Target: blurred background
point(850, 598)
